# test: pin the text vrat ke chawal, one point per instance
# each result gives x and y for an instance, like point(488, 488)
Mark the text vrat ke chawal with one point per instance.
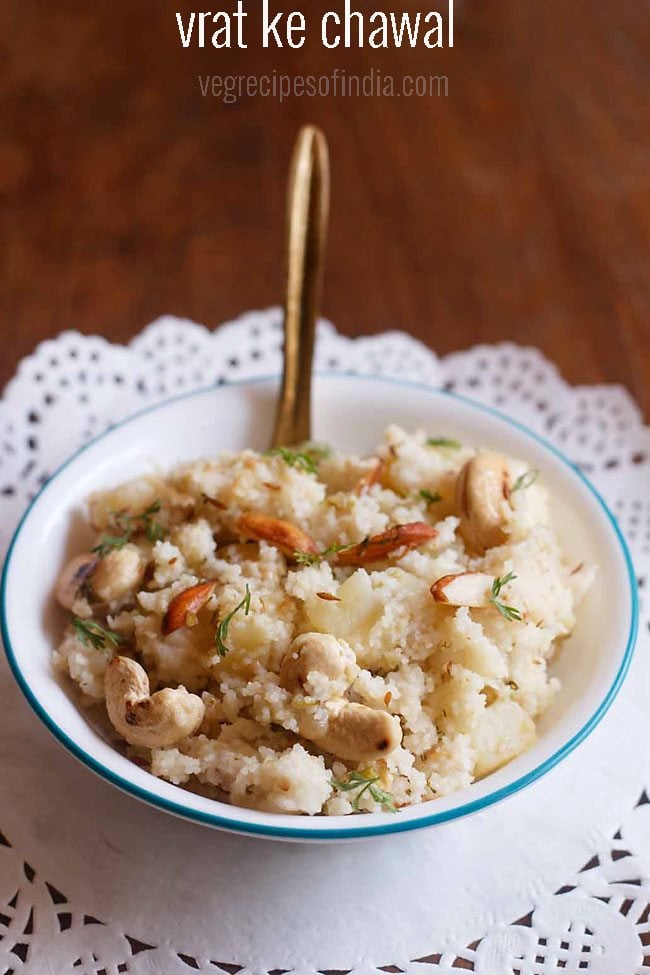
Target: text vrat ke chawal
point(346, 27)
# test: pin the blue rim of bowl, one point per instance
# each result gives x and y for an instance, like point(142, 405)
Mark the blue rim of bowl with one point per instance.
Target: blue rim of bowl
point(393, 824)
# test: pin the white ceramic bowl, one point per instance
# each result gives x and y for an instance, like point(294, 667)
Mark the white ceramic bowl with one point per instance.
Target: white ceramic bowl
point(352, 413)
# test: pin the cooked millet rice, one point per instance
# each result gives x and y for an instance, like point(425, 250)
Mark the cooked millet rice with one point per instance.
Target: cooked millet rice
point(466, 684)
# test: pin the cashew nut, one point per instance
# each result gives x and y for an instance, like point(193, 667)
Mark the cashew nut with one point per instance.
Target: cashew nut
point(343, 728)
point(155, 721)
point(482, 493)
point(311, 652)
point(118, 573)
point(72, 578)
point(354, 732)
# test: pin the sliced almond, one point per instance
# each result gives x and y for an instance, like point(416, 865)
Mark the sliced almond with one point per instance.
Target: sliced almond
point(185, 605)
point(464, 589)
point(285, 536)
point(373, 476)
point(379, 547)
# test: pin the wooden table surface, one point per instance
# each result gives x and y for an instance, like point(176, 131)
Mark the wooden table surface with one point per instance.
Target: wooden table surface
point(516, 208)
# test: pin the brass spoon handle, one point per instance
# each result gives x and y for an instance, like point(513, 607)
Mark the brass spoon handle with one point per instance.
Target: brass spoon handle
point(307, 219)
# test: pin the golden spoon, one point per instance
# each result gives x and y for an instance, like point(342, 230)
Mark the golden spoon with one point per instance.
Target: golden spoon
point(307, 219)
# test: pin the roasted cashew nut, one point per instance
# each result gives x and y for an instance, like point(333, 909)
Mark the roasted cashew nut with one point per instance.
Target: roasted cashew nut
point(155, 721)
point(77, 571)
point(118, 573)
point(112, 577)
point(482, 493)
point(348, 730)
point(311, 652)
point(354, 731)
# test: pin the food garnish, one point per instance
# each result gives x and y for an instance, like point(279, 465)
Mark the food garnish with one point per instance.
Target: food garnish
point(129, 525)
point(75, 580)
point(444, 442)
point(315, 558)
point(285, 536)
point(306, 457)
point(373, 548)
point(148, 720)
point(373, 476)
point(482, 493)
point(509, 613)
point(221, 635)
point(463, 589)
point(281, 678)
point(363, 783)
point(525, 480)
point(380, 546)
point(431, 497)
point(93, 634)
point(185, 605)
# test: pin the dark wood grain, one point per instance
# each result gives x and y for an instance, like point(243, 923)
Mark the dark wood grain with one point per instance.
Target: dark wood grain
point(517, 208)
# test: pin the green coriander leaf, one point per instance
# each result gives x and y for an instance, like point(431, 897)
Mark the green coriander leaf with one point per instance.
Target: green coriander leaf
point(95, 635)
point(429, 496)
point(147, 523)
point(317, 451)
point(383, 798)
point(499, 583)
point(130, 524)
point(111, 543)
point(295, 458)
point(444, 442)
point(154, 531)
point(509, 613)
point(525, 480)
point(344, 786)
point(335, 549)
point(221, 635)
point(356, 778)
point(362, 783)
point(307, 558)
point(306, 456)
point(153, 509)
point(315, 558)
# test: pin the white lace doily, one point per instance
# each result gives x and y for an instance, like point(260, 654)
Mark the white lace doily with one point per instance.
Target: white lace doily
point(70, 844)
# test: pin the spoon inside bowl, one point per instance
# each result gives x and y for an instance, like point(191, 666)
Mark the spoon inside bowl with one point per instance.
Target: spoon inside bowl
point(307, 219)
